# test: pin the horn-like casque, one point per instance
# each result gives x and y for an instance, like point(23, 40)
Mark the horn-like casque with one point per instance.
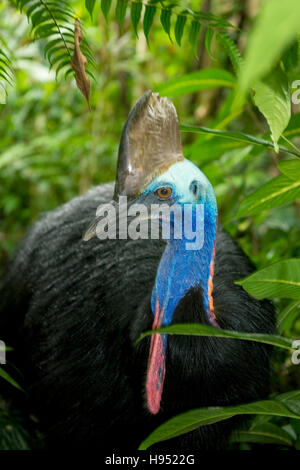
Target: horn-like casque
point(150, 143)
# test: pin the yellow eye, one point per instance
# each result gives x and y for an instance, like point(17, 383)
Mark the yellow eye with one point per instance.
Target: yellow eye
point(164, 192)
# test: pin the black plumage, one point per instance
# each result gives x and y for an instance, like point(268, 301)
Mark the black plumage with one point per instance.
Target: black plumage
point(74, 310)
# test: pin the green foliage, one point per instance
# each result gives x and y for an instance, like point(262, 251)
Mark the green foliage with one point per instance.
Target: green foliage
point(52, 20)
point(232, 50)
point(277, 192)
point(196, 81)
point(237, 137)
point(90, 4)
point(196, 329)
point(264, 46)
point(290, 168)
point(4, 375)
point(287, 317)
point(272, 97)
point(6, 72)
point(52, 149)
point(266, 433)
point(167, 11)
point(13, 436)
point(186, 422)
point(280, 279)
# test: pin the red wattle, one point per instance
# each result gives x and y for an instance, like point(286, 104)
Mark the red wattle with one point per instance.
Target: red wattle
point(156, 366)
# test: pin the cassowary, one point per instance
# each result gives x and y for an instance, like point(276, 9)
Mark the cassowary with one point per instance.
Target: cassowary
point(74, 306)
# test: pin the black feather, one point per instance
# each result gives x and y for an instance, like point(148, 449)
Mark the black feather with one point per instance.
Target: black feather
point(79, 307)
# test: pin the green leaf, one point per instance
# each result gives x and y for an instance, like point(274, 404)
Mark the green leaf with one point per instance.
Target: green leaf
point(105, 7)
point(165, 19)
point(275, 193)
point(198, 329)
point(272, 97)
point(90, 4)
point(267, 433)
point(193, 36)
point(293, 128)
point(179, 27)
point(290, 57)
point(276, 27)
point(209, 35)
point(121, 12)
point(281, 279)
point(288, 316)
point(193, 419)
point(9, 379)
point(205, 150)
point(201, 80)
point(236, 136)
point(148, 20)
point(135, 14)
point(290, 168)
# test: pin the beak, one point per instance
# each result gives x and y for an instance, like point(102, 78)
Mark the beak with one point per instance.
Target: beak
point(91, 231)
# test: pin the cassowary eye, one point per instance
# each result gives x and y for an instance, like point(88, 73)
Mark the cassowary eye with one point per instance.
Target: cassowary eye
point(164, 193)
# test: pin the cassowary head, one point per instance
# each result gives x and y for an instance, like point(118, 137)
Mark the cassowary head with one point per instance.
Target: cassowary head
point(153, 171)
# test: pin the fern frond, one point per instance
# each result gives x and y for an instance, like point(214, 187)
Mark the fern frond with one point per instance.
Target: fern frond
point(53, 21)
point(6, 71)
point(168, 11)
point(232, 50)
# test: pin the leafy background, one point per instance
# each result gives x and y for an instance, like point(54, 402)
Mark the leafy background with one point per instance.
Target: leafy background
point(232, 81)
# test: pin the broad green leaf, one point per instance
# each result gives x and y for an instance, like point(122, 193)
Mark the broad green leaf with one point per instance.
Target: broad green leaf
point(198, 329)
point(193, 36)
point(272, 97)
point(121, 12)
point(290, 168)
point(275, 193)
point(148, 19)
point(281, 279)
point(89, 4)
point(9, 379)
point(201, 80)
point(165, 19)
point(276, 27)
point(105, 7)
point(193, 419)
point(179, 27)
point(267, 433)
point(135, 13)
point(236, 136)
point(287, 316)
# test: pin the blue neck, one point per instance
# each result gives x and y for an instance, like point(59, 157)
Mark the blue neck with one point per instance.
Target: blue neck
point(181, 268)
